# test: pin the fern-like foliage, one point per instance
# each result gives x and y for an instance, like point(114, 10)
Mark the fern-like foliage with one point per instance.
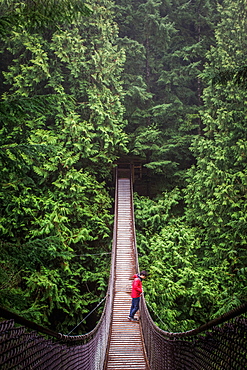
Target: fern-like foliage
point(61, 129)
point(40, 14)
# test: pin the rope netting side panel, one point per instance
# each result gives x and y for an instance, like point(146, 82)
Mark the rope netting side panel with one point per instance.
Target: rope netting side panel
point(20, 349)
point(221, 346)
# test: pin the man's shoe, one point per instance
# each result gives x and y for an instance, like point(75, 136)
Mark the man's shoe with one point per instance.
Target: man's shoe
point(132, 318)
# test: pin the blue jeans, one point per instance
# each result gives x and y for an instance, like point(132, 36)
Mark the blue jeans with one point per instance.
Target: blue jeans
point(135, 306)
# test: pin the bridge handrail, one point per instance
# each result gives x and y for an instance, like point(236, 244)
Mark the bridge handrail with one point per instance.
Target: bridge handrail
point(208, 325)
point(133, 218)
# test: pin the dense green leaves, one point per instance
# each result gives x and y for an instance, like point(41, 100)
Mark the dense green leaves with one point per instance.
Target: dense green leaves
point(38, 14)
point(219, 180)
point(165, 43)
point(198, 262)
point(164, 80)
point(61, 129)
point(189, 283)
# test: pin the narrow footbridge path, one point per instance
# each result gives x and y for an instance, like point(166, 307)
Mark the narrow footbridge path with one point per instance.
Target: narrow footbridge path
point(126, 349)
point(115, 343)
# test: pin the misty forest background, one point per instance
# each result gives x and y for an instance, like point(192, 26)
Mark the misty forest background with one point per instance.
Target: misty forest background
point(81, 87)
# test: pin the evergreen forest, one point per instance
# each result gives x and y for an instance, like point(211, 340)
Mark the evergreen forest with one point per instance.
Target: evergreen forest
point(84, 85)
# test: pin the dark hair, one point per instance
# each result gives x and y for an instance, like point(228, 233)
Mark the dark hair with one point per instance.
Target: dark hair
point(144, 273)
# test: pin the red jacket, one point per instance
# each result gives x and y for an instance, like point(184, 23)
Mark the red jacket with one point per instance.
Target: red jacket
point(136, 287)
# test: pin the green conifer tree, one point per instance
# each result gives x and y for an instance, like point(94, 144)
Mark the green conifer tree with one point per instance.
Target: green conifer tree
point(216, 193)
point(166, 42)
point(62, 128)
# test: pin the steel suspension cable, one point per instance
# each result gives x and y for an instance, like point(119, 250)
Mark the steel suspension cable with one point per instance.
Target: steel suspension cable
point(95, 308)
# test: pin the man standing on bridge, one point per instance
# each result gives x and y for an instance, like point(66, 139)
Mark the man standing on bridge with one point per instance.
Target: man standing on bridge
point(136, 294)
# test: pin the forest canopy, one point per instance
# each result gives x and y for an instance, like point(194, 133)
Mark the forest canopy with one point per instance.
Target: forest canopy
point(83, 86)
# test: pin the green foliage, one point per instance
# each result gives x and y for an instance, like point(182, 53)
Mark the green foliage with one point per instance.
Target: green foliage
point(38, 14)
point(152, 214)
point(237, 75)
point(216, 192)
point(165, 44)
point(61, 130)
point(198, 262)
point(186, 286)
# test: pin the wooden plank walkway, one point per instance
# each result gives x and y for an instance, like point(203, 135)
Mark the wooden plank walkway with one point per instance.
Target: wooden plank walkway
point(126, 349)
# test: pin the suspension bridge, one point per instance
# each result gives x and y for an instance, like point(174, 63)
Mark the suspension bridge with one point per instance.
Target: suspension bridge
point(115, 343)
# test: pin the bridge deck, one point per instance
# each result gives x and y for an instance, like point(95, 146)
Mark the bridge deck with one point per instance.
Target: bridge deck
point(126, 350)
